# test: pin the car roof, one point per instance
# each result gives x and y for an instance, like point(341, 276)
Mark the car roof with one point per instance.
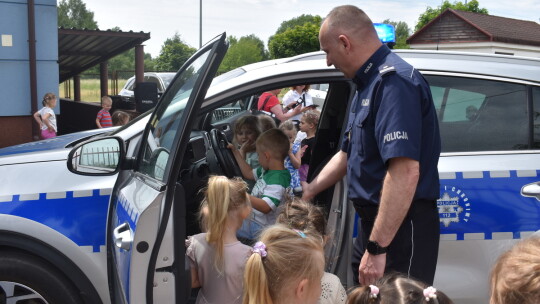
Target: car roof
point(492, 65)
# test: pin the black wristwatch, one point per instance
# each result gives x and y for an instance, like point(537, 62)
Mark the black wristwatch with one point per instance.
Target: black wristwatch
point(375, 249)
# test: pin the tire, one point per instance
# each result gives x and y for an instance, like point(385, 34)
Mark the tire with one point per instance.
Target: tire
point(25, 279)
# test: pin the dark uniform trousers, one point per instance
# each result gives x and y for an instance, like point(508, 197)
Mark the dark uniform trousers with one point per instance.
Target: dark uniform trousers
point(415, 247)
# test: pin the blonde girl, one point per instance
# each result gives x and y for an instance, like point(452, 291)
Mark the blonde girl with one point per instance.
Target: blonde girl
point(46, 118)
point(286, 266)
point(397, 288)
point(308, 124)
point(292, 161)
point(217, 257)
point(310, 219)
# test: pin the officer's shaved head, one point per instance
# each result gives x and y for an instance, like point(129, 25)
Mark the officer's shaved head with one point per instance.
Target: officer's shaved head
point(351, 21)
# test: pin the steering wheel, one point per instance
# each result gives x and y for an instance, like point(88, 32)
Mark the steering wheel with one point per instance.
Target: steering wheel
point(224, 155)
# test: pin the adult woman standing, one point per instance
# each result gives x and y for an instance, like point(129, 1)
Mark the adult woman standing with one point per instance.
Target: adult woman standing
point(268, 102)
point(297, 95)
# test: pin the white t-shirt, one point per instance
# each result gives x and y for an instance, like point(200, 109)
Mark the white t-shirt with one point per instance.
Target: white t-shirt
point(293, 96)
point(52, 118)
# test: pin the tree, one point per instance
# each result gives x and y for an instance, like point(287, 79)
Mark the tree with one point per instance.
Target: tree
point(402, 33)
point(294, 41)
point(73, 14)
point(299, 21)
point(174, 53)
point(246, 50)
point(432, 13)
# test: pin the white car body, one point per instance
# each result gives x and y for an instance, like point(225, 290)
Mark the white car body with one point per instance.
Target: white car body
point(493, 183)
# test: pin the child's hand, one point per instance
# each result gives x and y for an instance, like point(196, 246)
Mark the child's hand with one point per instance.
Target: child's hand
point(232, 147)
point(247, 146)
point(303, 149)
point(50, 128)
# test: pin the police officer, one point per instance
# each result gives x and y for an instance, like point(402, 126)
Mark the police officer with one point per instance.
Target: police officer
point(389, 153)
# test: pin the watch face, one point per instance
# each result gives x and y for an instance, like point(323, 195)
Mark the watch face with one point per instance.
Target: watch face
point(372, 247)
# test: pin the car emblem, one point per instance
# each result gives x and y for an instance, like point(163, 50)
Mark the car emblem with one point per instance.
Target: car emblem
point(454, 206)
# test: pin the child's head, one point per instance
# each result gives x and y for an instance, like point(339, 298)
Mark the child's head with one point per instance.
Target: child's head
point(266, 122)
point(224, 198)
point(120, 118)
point(309, 120)
point(304, 216)
point(246, 128)
point(106, 103)
point(515, 278)
point(397, 288)
point(49, 100)
point(286, 266)
point(289, 129)
point(272, 144)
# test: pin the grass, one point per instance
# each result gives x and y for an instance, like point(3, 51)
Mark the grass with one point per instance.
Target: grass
point(90, 89)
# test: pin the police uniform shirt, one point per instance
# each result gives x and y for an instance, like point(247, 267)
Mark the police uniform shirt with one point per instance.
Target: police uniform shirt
point(392, 115)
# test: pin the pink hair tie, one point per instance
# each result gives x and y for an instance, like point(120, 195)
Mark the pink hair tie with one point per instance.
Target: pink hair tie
point(374, 291)
point(430, 293)
point(260, 248)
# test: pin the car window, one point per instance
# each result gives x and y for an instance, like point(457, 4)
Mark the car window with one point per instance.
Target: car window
point(230, 109)
point(129, 85)
point(480, 114)
point(536, 117)
point(166, 121)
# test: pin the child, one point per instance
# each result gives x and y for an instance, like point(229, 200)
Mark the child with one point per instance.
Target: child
point(120, 118)
point(46, 118)
point(310, 219)
point(308, 124)
point(266, 122)
point(246, 131)
point(271, 181)
point(103, 119)
point(292, 161)
point(397, 288)
point(217, 257)
point(285, 267)
point(515, 278)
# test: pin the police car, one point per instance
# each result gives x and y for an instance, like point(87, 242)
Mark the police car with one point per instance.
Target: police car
point(103, 218)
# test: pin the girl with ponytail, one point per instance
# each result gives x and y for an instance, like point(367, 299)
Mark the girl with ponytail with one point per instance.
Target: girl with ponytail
point(286, 267)
point(217, 257)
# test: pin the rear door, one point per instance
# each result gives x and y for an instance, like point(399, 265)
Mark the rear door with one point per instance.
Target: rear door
point(146, 223)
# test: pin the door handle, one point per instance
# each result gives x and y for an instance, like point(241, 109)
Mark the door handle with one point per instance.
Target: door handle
point(531, 190)
point(122, 236)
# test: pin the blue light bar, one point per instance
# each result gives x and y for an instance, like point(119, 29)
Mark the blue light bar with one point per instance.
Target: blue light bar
point(386, 32)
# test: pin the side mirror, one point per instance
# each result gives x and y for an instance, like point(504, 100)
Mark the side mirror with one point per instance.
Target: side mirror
point(97, 157)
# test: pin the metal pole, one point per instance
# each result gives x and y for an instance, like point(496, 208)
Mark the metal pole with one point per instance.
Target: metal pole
point(200, 23)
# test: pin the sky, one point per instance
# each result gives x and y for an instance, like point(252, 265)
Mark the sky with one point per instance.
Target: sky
point(163, 18)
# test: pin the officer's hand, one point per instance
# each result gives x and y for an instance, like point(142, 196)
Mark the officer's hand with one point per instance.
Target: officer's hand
point(371, 268)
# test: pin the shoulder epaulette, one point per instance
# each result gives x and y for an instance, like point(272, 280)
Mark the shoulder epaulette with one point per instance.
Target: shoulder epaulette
point(386, 70)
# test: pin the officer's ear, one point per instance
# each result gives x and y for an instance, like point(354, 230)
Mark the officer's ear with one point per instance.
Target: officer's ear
point(344, 42)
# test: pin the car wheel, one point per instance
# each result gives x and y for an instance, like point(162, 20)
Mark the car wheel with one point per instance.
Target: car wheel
point(25, 279)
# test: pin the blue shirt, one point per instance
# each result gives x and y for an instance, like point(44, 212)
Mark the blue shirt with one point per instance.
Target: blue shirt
point(392, 115)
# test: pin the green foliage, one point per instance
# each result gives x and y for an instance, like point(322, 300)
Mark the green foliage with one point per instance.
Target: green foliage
point(174, 53)
point(294, 41)
point(299, 21)
point(402, 33)
point(432, 13)
point(73, 14)
point(246, 50)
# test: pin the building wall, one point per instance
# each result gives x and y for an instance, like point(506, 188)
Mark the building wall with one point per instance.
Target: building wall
point(483, 47)
point(15, 100)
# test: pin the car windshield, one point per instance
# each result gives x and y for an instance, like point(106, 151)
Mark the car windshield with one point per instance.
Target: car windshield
point(167, 78)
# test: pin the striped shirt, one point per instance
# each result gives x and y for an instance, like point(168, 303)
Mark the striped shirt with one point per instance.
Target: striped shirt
point(270, 186)
point(105, 119)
